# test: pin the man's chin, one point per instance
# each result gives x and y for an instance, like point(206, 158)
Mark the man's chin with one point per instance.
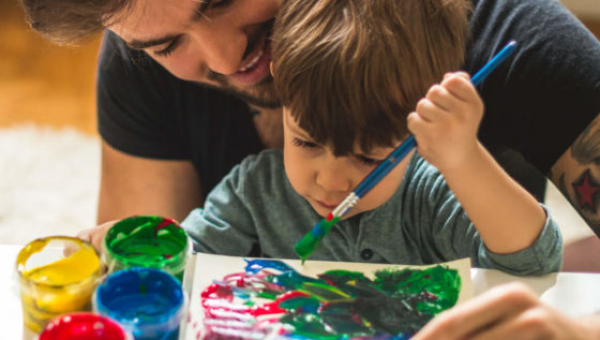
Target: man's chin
point(261, 94)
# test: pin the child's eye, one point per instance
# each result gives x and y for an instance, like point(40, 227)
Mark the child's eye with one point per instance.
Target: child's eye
point(304, 144)
point(369, 161)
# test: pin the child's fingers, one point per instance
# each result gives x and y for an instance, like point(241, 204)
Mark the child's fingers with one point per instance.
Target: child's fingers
point(415, 123)
point(438, 95)
point(462, 74)
point(429, 111)
point(460, 86)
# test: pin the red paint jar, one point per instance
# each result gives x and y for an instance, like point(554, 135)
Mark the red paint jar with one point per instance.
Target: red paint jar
point(83, 326)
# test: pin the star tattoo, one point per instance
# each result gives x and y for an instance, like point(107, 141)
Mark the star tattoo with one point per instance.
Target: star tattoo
point(587, 190)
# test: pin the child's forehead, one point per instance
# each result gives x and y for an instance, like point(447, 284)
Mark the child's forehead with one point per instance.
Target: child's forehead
point(293, 124)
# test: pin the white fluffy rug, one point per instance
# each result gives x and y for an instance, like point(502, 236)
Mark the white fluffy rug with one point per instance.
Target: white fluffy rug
point(49, 182)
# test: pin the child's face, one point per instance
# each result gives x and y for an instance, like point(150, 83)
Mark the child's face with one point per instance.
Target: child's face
point(325, 180)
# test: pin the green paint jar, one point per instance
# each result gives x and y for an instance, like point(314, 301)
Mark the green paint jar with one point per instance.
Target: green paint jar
point(146, 241)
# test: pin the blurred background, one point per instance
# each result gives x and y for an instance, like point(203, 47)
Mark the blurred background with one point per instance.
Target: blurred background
point(49, 148)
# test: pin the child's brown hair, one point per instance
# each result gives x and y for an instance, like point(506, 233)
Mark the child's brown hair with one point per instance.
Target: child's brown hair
point(350, 71)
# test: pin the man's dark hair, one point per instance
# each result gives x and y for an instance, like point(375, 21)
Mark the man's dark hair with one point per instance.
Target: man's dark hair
point(67, 22)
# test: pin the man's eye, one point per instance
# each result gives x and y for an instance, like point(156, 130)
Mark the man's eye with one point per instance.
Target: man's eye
point(369, 161)
point(169, 49)
point(303, 144)
point(220, 3)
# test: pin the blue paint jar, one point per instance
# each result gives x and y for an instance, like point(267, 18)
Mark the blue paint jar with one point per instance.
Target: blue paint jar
point(147, 302)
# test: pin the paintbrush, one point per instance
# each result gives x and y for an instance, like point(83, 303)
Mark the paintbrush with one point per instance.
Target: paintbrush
point(305, 247)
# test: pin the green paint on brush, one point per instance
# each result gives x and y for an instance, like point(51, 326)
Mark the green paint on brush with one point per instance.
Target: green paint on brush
point(307, 245)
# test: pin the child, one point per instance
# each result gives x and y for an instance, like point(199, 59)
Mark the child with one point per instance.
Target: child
point(348, 88)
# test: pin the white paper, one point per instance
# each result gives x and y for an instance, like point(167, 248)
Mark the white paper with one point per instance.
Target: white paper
point(214, 267)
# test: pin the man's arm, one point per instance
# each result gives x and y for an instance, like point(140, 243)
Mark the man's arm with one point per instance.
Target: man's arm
point(133, 186)
point(577, 175)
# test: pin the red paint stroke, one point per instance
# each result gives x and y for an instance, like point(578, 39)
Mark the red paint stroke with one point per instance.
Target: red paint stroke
point(163, 224)
point(216, 291)
point(329, 217)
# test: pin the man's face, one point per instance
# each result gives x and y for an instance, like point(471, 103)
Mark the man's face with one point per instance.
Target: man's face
point(222, 43)
point(325, 180)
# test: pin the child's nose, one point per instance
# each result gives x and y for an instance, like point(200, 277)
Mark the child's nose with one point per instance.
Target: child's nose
point(334, 178)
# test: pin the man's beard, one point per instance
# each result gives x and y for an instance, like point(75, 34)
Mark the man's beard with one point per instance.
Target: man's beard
point(261, 94)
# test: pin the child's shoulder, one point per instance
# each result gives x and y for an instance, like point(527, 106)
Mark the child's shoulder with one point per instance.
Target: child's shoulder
point(266, 160)
point(260, 175)
point(423, 176)
point(419, 167)
point(265, 166)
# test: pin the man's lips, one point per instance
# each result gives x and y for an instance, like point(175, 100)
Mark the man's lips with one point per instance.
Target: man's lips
point(255, 66)
point(252, 59)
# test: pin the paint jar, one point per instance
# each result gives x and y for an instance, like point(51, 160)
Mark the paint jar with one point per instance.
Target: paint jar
point(147, 302)
point(84, 326)
point(146, 241)
point(52, 283)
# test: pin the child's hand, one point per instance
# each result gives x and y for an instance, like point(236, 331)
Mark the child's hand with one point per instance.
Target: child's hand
point(446, 121)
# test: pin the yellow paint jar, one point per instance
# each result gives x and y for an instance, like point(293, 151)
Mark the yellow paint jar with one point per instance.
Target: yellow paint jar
point(53, 283)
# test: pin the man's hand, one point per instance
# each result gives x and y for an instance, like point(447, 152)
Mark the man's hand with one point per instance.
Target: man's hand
point(512, 312)
point(96, 235)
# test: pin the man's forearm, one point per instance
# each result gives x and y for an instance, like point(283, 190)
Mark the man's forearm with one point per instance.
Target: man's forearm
point(577, 175)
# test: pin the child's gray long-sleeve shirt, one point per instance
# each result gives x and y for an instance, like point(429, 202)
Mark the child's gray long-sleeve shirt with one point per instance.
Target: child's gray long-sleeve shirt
point(254, 211)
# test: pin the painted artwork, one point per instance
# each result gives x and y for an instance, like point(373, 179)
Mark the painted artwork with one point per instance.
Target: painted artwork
point(271, 299)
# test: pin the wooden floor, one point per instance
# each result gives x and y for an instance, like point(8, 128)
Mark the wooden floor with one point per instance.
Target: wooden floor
point(52, 85)
point(43, 83)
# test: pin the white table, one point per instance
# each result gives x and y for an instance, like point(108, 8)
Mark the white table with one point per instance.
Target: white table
point(575, 294)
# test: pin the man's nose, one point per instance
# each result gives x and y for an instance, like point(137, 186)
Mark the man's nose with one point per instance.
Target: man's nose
point(221, 48)
point(334, 176)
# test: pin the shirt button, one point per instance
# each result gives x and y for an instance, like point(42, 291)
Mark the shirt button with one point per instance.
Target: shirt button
point(366, 254)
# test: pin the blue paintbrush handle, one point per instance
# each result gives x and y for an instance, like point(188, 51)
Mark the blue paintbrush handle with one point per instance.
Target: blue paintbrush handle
point(492, 64)
point(403, 149)
point(384, 168)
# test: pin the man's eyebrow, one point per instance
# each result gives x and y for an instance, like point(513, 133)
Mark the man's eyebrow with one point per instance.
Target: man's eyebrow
point(200, 9)
point(141, 44)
